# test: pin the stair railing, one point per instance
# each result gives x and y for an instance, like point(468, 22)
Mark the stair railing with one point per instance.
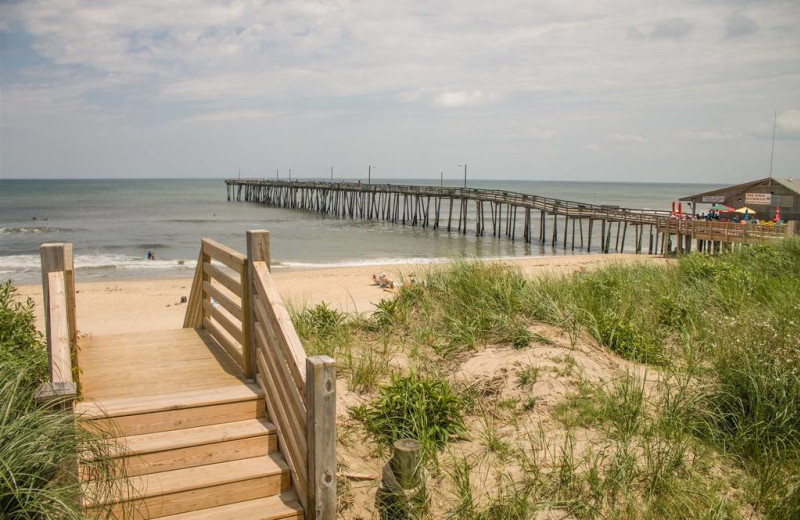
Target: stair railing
point(58, 287)
point(220, 299)
point(301, 390)
point(254, 326)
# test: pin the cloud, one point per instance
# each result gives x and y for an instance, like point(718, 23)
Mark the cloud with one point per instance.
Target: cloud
point(711, 135)
point(738, 25)
point(540, 134)
point(594, 147)
point(787, 127)
point(229, 115)
point(462, 98)
point(626, 138)
point(671, 29)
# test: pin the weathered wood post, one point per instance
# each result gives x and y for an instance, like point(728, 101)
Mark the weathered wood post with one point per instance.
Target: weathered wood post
point(58, 286)
point(402, 493)
point(257, 251)
point(321, 437)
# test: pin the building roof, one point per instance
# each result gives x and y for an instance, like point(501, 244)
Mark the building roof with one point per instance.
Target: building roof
point(791, 184)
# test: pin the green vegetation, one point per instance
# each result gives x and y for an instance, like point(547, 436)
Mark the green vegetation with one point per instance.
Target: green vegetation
point(39, 446)
point(708, 428)
point(413, 407)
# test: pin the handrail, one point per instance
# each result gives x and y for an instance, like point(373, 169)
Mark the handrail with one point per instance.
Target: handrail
point(226, 281)
point(58, 287)
point(300, 391)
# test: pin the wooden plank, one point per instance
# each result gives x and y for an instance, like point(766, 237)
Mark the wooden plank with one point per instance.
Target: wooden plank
point(224, 254)
point(266, 344)
point(164, 402)
point(226, 342)
point(280, 317)
point(58, 329)
point(226, 280)
point(224, 300)
point(194, 308)
point(278, 507)
point(234, 329)
point(291, 446)
point(321, 435)
point(177, 419)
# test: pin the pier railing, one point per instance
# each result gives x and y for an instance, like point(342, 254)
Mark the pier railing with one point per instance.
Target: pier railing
point(560, 206)
point(726, 231)
point(300, 391)
point(58, 284)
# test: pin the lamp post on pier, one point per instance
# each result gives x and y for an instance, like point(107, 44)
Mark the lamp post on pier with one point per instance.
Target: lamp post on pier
point(465, 173)
point(331, 174)
point(369, 173)
point(277, 175)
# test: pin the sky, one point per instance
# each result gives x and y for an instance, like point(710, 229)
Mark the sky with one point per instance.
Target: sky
point(615, 90)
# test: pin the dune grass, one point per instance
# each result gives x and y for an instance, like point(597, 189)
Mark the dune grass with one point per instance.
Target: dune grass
point(716, 436)
point(40, 446)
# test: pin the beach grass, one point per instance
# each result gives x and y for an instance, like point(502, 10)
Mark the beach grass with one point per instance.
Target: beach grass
point(41, 446)
point(701, 419)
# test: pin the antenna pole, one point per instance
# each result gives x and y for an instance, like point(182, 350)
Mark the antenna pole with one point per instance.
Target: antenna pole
point(772, 154)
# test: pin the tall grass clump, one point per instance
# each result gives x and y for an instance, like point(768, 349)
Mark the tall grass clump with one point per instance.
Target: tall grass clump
point(40, 447)
point(461, 306)
point(323, 330)
point(425, 408)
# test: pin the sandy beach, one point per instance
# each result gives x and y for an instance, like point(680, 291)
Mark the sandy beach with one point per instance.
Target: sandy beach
point(107, 307)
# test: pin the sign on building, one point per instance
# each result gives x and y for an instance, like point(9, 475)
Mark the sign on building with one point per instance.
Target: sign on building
point(713, 198)
point(764, 199)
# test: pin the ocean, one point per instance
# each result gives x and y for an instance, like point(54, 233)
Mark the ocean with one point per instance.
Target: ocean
point(112, 224)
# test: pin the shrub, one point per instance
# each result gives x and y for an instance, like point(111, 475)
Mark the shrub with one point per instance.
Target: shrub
point(423, 408)
point(40, 447)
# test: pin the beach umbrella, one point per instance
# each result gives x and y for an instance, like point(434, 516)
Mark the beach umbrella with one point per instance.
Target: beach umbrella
point(745, 210)
point(721, 207)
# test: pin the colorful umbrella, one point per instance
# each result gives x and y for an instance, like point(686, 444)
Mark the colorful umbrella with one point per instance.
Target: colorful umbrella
point(721, 207)
point(745, 209)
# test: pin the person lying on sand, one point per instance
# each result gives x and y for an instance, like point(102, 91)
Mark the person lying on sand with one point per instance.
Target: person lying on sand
point(382, 281)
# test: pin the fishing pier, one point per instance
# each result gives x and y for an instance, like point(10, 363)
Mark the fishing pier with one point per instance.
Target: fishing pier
point(562, 223)
point(532, 218)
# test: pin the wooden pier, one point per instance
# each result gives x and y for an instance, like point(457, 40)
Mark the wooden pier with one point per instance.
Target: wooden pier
point(531, 218)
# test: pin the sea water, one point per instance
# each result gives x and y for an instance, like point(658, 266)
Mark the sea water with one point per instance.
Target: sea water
point(112, 224)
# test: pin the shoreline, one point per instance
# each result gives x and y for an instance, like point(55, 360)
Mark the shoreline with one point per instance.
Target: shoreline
point(145, 304)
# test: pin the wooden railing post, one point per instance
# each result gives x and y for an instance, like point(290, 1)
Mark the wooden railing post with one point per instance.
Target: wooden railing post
point(58, 285)
point(321, 437)
point(257, 251)
point(194, 307)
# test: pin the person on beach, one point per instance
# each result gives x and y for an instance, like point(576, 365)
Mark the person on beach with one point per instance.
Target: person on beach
point(149, 255)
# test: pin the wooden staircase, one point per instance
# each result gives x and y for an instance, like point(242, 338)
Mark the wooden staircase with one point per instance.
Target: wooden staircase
point(198, 454)
point(186, 408)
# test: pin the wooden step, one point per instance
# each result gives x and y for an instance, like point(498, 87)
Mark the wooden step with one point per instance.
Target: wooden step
point(282, 507)
point(190, 447)
point(183, 490)
point(136, 416)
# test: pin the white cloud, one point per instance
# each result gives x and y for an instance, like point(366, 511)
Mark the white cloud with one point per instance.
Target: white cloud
point(594, 147)
point(787, 125)
point(626, 138)
point(462, 98)
point(711, 135)
point(230, 115)
point(541, 134)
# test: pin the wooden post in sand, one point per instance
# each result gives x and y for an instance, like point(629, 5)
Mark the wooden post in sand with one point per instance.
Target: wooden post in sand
point(402, 492)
